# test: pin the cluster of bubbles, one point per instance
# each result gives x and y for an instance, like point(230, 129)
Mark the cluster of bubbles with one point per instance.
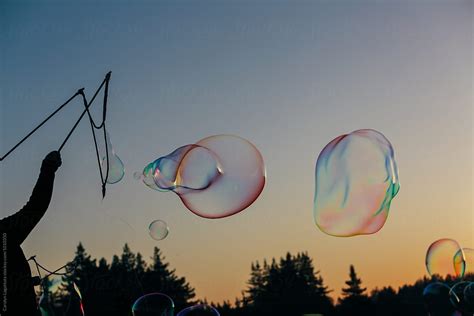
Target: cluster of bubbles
point(446, 259)
point(216, 177)
point(158, 304)
point(356, 180)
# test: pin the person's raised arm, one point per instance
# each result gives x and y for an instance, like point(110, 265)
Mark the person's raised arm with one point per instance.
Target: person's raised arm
point(20, 224)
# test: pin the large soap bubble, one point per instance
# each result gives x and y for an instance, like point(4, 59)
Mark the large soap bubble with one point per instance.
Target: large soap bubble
point(445, 257)
point(217, 177)
point(356, 180)
point(199, 310)
point(153, 304)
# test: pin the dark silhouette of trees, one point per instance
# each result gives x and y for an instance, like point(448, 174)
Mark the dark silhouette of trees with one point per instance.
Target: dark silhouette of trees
point(385, 302)
point(112, 289)
point(289, 286)
point(353, 288)
point(354, 299)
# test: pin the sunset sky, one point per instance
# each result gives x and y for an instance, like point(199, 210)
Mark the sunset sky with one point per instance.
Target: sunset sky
point(287, 75)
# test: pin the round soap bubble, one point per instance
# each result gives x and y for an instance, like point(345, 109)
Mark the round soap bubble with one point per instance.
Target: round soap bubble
point(158, 230)
point(137, 175)
point(436, 299)
point(199, 310)
point(116, 166)
point(441, 261)
point(469, 296)
point(356, 180)
point(217, 177)
point(464, 262)
point(154, 304)
point(456, 295)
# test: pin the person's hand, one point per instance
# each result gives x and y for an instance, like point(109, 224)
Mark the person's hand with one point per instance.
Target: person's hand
point(52, 161)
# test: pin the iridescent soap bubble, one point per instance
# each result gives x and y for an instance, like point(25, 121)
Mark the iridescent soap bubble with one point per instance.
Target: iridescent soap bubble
point(436, 300)
point(440, 258)
point(154, 304)
point(148, 177)
point(116, 166)
point(457, 297)
point(199, 310)
point(217, 177)
point(190, 167)
point(464, 262)
point(356, 180)
point(158, 230)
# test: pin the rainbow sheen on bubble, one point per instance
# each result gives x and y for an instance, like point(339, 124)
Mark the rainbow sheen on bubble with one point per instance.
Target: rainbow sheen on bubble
point(158, 230)
point(356, 179)
point(79, 294)
point(116, 166)
point(437, 301)
point(464, 261)
point(216, 177)
point(153, 304)
point(199, 310)
point(190, 167)
point(441, 258)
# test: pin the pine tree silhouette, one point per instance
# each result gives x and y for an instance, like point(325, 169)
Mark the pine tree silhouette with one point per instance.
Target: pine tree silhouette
point(112, 290)
point(354, 299)
point(353, 288)
point(288, 287)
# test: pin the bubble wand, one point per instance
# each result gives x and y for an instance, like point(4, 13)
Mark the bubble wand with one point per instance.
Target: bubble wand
point(87, 104)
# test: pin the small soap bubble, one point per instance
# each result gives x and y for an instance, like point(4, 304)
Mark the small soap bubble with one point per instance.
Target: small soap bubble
point(158, 230)
point(137, 175)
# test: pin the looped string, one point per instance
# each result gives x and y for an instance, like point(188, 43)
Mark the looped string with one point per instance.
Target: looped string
point(55, 272)
point(93, 124)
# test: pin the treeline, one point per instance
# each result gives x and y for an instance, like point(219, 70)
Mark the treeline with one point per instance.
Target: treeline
point(288, 286)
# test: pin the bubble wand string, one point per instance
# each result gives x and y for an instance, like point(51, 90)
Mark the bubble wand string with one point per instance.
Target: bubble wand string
point(39, 280)
point(91, 121)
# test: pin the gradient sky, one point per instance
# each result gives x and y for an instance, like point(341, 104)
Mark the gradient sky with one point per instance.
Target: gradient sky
point(287, 75)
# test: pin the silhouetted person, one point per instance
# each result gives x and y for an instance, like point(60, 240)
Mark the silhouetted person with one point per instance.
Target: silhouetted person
point(16, 281)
